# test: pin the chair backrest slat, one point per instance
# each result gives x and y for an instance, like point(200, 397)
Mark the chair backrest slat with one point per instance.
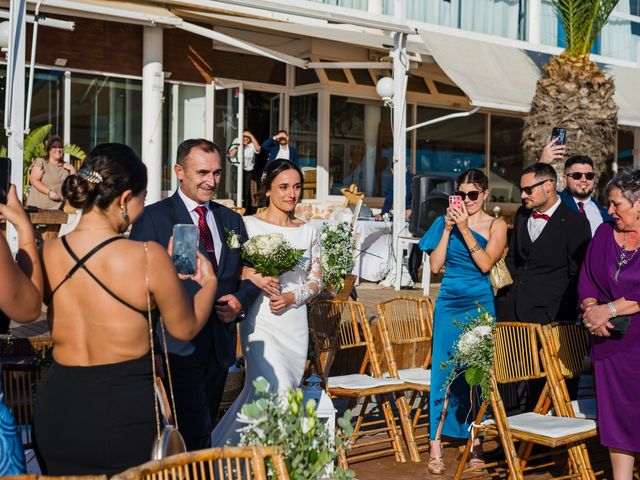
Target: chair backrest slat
point(516, 352)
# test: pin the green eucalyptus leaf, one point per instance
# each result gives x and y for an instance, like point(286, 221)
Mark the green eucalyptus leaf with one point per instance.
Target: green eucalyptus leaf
point(261, 385)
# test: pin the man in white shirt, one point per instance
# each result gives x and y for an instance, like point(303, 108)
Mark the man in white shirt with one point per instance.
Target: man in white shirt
point(580, 180)
point(278, 147)
point(250, 148)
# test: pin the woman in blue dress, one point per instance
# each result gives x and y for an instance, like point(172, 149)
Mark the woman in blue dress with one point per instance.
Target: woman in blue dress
point(468, 242)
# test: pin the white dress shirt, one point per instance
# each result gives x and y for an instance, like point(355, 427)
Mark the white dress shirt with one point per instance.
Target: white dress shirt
point(283, 153)
point(536, 225)
point(211, 221)
point(249, 157)
point(592, 212)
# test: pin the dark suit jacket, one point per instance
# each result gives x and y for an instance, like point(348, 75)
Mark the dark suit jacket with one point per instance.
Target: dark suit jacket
point(217, 337)
point(571, 203)
point(272, 148)
point(545, 272)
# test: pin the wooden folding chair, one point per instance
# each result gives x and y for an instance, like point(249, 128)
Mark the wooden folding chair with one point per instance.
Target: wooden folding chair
point(228, 463)
point(339, 327)
point(516, 360)
point(20, 382)
point(567, 348)
point(405, 326)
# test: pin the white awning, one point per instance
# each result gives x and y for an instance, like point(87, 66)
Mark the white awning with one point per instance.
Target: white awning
point(627, 94)
point(504, 77)
point(492, 75)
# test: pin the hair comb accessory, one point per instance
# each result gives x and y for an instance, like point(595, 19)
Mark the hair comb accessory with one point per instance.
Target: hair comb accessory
point(263, 177)
point(90, 176)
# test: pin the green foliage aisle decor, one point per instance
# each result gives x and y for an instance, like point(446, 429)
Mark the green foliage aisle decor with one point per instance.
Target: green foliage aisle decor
point(283, 420)
point(474, 351)
point(337, 248)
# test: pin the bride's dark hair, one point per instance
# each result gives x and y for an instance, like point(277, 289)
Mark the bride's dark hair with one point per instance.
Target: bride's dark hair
point(272, 170)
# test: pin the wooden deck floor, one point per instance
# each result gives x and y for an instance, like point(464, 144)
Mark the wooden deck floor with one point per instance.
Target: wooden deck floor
point(382, 468)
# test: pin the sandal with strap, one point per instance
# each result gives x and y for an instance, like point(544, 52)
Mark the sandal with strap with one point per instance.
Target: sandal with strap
point(476, 461)
point(436, 464)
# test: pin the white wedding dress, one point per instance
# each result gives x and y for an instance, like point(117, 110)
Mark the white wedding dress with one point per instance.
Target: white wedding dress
point(275, 344)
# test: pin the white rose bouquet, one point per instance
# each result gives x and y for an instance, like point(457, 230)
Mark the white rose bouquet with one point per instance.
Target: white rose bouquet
point(474, 352)
point(271, 255)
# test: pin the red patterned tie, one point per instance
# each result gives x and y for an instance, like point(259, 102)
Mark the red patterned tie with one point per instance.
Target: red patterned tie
point(581, 208)
point(206, 239)
point(543, 216)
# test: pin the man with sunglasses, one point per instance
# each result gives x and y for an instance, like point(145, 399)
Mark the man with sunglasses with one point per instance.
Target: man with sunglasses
point(580, 181)
point(546, 249)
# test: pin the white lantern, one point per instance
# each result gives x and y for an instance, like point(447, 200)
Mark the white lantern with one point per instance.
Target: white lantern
point(4, 34)
point(384, 88)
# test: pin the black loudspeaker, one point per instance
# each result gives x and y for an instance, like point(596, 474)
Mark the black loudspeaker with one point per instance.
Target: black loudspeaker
point(430, 200)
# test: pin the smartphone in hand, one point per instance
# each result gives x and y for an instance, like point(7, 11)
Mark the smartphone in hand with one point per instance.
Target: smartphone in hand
point(185, 247)
point(455, 201)
point(560, 134)
point(5, 178)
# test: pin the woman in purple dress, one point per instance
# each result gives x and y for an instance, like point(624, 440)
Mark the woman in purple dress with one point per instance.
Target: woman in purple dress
point(610, 287)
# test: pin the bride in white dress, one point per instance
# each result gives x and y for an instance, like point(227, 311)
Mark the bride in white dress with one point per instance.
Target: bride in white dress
point(275, 333)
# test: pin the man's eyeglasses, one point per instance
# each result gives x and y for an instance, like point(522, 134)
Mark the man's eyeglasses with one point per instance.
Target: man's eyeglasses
point(579, 175)
point(473, 195)
point(529, 188)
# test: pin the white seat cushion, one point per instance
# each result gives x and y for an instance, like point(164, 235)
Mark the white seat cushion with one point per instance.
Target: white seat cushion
point(421, 376)
point(547, 425)
point(360, 382)
point(582, 408)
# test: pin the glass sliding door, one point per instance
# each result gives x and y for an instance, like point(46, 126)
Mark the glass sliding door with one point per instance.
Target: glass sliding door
point(226, 128)
point(106, 109)
point(185, 115)
point(452, 146)
point(303, 134)
point(360, 145)
point(506, 158)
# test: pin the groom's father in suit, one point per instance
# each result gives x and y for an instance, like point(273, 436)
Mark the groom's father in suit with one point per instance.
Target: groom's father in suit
point(199, 367)
point(547, 247)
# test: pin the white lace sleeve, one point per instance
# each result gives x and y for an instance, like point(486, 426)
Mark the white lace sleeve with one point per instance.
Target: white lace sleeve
point(313, 285)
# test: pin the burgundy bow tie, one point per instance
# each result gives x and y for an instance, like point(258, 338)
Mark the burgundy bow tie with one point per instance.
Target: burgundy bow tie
point(543, 216)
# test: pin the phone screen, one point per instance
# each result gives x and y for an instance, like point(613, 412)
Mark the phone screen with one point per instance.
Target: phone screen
point(5, 178)
point(560, 134)
point(455, 201)
point(185, 246)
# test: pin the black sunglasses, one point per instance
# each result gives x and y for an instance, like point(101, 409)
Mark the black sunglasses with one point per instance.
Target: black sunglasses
point(578, 175)
point(473, 195)
point(529, 189)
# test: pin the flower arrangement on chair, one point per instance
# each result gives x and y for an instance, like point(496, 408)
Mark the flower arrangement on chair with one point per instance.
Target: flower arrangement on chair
point(474, 352)
point(282, 420)
point(337, 246)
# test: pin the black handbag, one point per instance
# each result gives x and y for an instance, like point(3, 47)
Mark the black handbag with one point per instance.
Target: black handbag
point(620, 325)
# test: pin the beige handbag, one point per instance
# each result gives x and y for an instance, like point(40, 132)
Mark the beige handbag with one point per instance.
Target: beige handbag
point(168, 439)
point(499, 275)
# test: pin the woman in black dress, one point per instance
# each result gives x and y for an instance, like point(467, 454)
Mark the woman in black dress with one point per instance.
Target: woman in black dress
point(95, 408)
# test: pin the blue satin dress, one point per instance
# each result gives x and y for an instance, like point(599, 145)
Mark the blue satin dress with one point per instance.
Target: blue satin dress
point(12, 460)
point(462, 286)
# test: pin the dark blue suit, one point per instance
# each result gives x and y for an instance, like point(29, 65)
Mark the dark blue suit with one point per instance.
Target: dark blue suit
point(199, 367)
point(388, 194)
point(568, 200)
point(272, 148)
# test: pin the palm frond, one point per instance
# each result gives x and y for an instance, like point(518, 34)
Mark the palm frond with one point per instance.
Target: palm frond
point(75, 151)
point(582, 21)
point(34, 143)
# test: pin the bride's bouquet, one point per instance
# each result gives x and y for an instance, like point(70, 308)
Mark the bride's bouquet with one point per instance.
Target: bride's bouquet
point(271, 255)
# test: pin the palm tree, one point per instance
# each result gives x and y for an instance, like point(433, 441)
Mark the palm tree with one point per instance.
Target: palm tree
point(573, 92)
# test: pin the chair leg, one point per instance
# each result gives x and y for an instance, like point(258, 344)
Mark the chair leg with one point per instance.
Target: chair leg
point(407, 427)
point(391, 425)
